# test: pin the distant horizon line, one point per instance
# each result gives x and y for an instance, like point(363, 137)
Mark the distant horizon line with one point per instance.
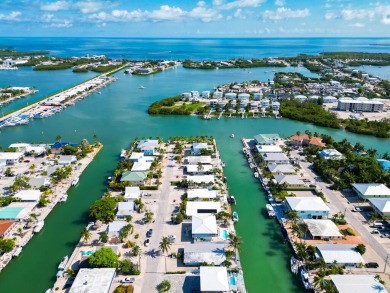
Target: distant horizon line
point(109, 37)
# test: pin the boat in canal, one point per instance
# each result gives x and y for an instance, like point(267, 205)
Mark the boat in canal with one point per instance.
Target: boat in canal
point(232, 135)
point(63, 263)
point(38, 227)
point(305, 278)
point(235, 216)
point(123, 154)
point(232, 199)
point(75, 181)
point(270, 211)
point(17, 251)
point(294, 264)
point(64, 198)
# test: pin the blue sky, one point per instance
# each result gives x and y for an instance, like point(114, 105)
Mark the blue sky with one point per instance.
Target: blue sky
point(212, 18)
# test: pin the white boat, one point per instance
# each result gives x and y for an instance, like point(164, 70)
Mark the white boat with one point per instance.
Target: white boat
point(270, 210)
point(223, 165)
point(232, 199)
point(63, 263)
point(17, 251)
point(294, 264)
point(123, 154)
point(64, 198)
point(38, 227)
point(232, 135)
point(141, 87)
point(48, 290)
point(305, 278)
point(235, 216)
point(75, 181)
point(256, 175)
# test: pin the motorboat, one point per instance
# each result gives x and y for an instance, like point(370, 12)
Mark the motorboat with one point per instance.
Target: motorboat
point(38, 227)
point(123, 154)
point(270, 211)
point(256, 174)
point(232, 135)
point(17, 251)
point(75, 181)
point(232, 199)
point(63, 263)
point(294, 264)
point(235, 216)
point(64, 198)
point(141, 87)
point(305, 278)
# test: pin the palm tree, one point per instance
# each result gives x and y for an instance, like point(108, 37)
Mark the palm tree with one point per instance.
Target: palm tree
point(103, 237)
point(86, 235)
point(136, 250)
point(32, 168)
point(139, 204)
point(234, 242)
point(292, 215)
point(58, 138)
point(301, 249)
point(165, 245)
point(20, 231)
point(319, 279)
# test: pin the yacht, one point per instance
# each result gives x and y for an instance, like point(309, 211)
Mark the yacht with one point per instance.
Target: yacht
point(38, 227)
point(305, 278)
point(63, 262)
point(270, 211)
point(64, 198)
point(75, 181)
point(235, 216)
point(17, 251)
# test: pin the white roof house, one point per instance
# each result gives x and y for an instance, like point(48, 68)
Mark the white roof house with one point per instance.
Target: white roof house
point(125, 209)
point(28, 195)
point(38, 149)
point(290, 180)
point(141, 166)
point(201, 193)
point(357, 284)
point(98, 280)
point(11, 158)
point(114, 228)
point(323, 229)
point(199, 159)
point(204, 252)
point(136, 156)
point(281, 168)
point(202, 207)
point(204, 224)
point(366, 190)
point(198, 146)
point(132, 193)
point(278, 158)
point(342, 254)
point(195, 168)
point(66, 160)
point(308, 207)
point(37, 182)
point(381, 205)
point(330, 154)
point(201, 178)
point(269, 149)
point(214, 279)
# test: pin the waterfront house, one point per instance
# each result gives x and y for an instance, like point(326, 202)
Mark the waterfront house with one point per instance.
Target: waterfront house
point(357, 284)
point(199, 179)
point(264, 104)
point(136, 157)
point(124, 209)
point(6, 227)
point(243, 97)
point(254, 106)
point(381, 206)
point(218, 95)
point(322, 229)
point(132, 193)
point(199, 169)
point(339, 254)
point(307, 207)
point(204, 227)
point(305, 140)
point(36, 149)
point(261, 149)
point(206, 94)
point(267, 138)
point(277, 158)
point(213, 103)
point(275, 106)
point(202, 207)
point(193, 160)
point(230, 96)
point(201, 193)
point(135, 178)
point(331, 154)
point(214, 279)
point(51, 169)
point(97, 280)
point(366, 190)
point(186, 96)
point(194, 94)
point(58, 147)
point(114, 228)
point(257, 96)
point(11, 158)
point(66, 160)
point(197, 147)
point(141, 166)
point(286, 169)
point(29, 195)
point(149, 146)
point(291, 181)
point(37, 182)
point(198, 253)
point(385, 164)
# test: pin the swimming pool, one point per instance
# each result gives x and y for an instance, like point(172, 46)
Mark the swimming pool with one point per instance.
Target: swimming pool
point(232, 281)
point(224, 234)
point(86, 253)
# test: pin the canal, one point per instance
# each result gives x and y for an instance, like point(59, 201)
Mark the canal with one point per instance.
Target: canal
point(117, 116)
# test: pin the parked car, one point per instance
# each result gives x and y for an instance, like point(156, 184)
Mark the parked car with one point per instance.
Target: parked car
point(128, 280)
point(375, 231)
point(171, 238)
point(147, 242)
point(356, 209)
point(26, 161)
point(149, 233)
point(372, 265)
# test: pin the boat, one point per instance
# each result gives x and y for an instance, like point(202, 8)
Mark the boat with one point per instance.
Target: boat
point(235, 216)
point(305, 278)
point(123, 154)
point(270, 210)
point(141, 87)
point(256, 174)
point(99, 93)
point(63, 262)
point(64, 198)
point(232, 199)
point(75, 181)
point(17, 251)
point(48, 290)
point(223, 165)
point(38, 227)
point(232, 135)
point(294, 264)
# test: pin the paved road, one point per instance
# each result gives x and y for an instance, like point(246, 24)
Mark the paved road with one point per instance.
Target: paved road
point(156, 264)
point(343, 207)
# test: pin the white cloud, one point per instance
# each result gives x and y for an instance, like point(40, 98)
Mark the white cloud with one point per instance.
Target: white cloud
point(56, 6)
point(237, 4)
point(239, 14)
point(330, 15)
point(165, 12)
point(204, 14)
point(285, 13)
point(358, 24)
point(372, 13)
point(89, 6)
point(63, 24)
point(12, 16)
point(280, 2)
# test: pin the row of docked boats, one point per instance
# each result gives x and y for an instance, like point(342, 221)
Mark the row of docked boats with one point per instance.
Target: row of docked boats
point(297, 267)
point(23, 119)
point(62, 266)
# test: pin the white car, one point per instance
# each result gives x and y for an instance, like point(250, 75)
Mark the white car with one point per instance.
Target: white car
point(171, 238)
point(128, 280)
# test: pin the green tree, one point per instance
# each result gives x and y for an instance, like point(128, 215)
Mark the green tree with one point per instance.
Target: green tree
point(103, 209)
point(103, 237)
point(292, 215)
point(361, 248)
point(136, 250)
point(126, 267)
point(103, 258)
point(86, 234)
point(58, 138)
point(234, 242)
point(8, 172)
point(165, 245)
point(7, 245)
point(164, 286)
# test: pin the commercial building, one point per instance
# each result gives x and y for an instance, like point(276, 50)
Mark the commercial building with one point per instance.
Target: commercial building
point(359, 105)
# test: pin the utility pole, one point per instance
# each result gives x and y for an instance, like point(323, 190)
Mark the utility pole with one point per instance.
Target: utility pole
point(387, 257)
